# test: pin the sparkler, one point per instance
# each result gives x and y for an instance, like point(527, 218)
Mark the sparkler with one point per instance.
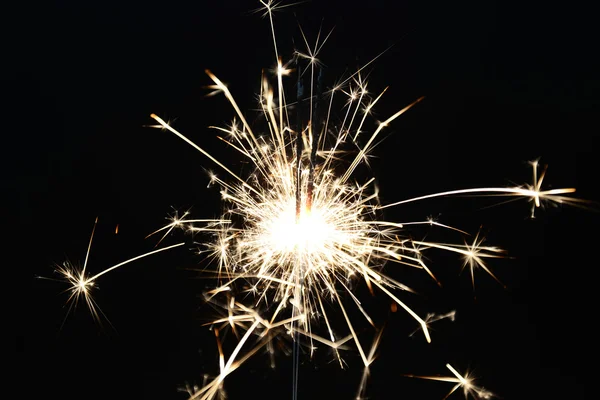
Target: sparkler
point(299, 229)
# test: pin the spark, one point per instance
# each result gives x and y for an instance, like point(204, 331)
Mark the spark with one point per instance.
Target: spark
point(473, 254)
point(81, 284)
point(432, 317)
point(465, 382)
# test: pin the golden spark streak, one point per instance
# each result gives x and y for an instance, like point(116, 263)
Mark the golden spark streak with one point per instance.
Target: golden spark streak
point(469, 389)
point(93, 278)
point(87, 254)
point(534, 194)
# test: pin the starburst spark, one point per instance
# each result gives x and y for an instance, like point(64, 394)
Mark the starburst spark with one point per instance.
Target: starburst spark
point(81, 284)
point(466, 382)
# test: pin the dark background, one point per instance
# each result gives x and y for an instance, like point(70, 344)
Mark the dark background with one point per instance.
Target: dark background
point(503, 85)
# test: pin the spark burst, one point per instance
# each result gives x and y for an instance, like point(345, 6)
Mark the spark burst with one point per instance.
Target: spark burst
point(299, 230)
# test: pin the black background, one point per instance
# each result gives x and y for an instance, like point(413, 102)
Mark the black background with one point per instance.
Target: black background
point(503, 85)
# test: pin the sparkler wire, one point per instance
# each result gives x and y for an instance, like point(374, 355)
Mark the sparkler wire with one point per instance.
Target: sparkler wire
point(300, 271)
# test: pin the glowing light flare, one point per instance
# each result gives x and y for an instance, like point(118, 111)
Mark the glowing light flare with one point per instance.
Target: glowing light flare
point(309, 233)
